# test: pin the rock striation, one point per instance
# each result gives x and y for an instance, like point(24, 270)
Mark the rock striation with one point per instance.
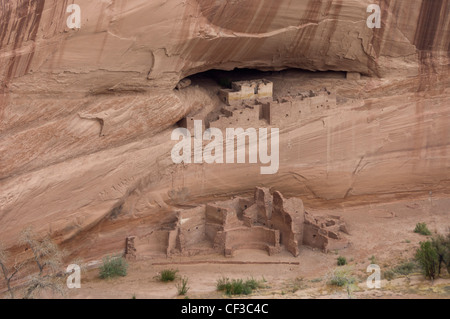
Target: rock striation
point(86, 114)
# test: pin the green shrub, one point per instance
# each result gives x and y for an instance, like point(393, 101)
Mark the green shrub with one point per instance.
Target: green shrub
point(341, 277)
point(421, 228)
point(299, 284)
point(338, 281)
point(405, 268)
point(113, 267)
point(389, 275)
point(253, 284)
point(222, 283)
point(168, 275)
point(428, 259)
point(183, 287)
point(341, 261)
point(238, 286)
point(442, 246)
point(373, 260)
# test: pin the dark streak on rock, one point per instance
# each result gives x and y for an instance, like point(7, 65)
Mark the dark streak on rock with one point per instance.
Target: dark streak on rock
point(428, 24)
point(28, 14)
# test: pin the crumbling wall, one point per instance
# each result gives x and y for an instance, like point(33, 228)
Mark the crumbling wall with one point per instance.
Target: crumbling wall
point(188, 123)
point(130, 248)
point(214, 218)
point(288, 216)
point(323, 232)
point(246, 117)
point(261, 211)
point(191, 228)
point(291, 110)
point(230, 97)
point(242, 205)
point(263, 111)
point(246, 91)
point(154, 243)
point(264, 222)
point(172, 242)
point(215, 223)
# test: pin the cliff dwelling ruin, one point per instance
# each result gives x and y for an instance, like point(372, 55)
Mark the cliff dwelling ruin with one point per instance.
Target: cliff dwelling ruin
point(247, 91)
point(267, 222)
point(250, 98)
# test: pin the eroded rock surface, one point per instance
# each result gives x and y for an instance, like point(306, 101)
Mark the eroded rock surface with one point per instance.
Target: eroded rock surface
point(86, 115)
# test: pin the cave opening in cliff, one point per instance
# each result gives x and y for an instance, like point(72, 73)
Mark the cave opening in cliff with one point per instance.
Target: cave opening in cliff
point(285, 81)
point(230, 97)
point(225, 78)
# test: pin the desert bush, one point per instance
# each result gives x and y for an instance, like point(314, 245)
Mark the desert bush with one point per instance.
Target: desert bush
point(422, 228)
point(183, 287)
point(406, 268)
point(299, 284)
point(341, 261)
point(8, 273)
point(49, 259)
point(441, 245)
point(168, 275)
point(338, 281)
point(341, 277)
point(447, 254)
point(389, 275)
point(221, 283)
point(428, 259)
point(238, 286)
point(252, 283)
point(113, 267)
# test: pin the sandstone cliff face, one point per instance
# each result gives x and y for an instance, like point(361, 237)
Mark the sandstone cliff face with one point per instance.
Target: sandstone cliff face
point(86, 114)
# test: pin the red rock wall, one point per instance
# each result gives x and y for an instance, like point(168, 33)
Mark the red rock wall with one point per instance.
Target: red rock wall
point(86, 115)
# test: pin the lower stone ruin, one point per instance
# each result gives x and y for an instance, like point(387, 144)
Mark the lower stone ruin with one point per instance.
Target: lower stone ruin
point(266, 222)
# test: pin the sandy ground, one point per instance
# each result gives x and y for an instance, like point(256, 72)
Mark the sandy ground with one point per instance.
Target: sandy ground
point(384, 231)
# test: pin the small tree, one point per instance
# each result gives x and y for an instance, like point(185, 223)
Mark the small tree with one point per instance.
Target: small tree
point(48, 259)
point(428, 259)
point(442, 246)
point(447, 254)
point(438, 243)
point(8, 274)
